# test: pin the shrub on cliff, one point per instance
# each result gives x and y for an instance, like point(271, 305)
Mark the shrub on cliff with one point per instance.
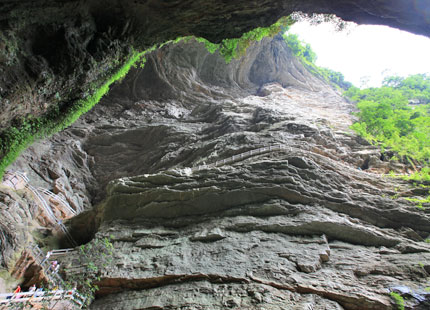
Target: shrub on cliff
point(307, 56)
point(389, 115)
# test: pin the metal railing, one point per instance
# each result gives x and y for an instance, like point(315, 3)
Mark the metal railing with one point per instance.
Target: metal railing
point(58, 199)
point(46, 207)
point(39, 296)
point(52, 275)
point(42, 203)
point(242, 156)
point(42, 260)
point(51, 214)
point(21, 175)
point(10, 181)
point(67, 234)
point(60, 252)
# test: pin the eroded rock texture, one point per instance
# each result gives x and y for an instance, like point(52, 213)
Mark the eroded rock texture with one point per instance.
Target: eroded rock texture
point(298, 228)
point(52, 53)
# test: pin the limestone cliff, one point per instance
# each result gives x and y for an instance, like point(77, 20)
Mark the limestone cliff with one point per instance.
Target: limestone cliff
point(298, 217)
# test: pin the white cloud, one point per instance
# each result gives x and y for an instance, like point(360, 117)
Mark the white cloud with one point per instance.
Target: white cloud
point(366, 51)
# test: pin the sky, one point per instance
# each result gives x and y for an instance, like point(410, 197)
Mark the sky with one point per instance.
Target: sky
point(365, 54)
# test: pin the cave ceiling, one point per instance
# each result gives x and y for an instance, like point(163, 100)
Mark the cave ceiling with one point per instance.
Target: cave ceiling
point(152, 21)
point(53, 52)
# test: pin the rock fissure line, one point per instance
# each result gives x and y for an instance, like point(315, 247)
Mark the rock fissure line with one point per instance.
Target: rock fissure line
point(349, 302)
point(274, 148)
point(148, 283)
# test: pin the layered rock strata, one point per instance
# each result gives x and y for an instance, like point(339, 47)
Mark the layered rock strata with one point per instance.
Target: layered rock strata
point(309, 225)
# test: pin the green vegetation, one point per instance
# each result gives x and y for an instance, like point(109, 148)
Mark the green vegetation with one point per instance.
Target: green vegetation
point(16, 138)
point(420, 201)
point(300, 49)
point(93, 255)
point(397, 116)
point(235, 48)
point(25, 131)
point(398, 299)
point(211, 47)
point(307, 56)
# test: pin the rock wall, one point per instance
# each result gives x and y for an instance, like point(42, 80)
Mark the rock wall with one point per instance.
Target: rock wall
point(52, 53)
point(301, 227)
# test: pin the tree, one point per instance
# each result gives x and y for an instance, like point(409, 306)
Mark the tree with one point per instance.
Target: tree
point(386, 116)
point(307, 56)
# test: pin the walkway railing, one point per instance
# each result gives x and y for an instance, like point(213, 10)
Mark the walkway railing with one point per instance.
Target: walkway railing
point(42, 260)
point(43, 203)
point(60, 252)
point(53, 276)
point(242, 156)
point(22, 176)
point(36, 296)
point(58, 199)
point(46, 207)
point(67, 234)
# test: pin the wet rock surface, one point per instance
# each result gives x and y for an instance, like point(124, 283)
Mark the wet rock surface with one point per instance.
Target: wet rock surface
point(300, 227)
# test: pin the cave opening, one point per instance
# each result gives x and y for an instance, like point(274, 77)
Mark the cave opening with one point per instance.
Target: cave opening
point(237, 179)
point(385, 73)
point(366, 55)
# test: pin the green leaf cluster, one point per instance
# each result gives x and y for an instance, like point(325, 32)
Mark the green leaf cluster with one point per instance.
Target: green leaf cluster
point(389, 115)
point(25, 131)
point(300, 49)
point(18, 137)
point(211, 47)
point(420, 201)
point(93, 256)
point(414, 87)
point(398, 299)
point(235, 48)
point(307, 56)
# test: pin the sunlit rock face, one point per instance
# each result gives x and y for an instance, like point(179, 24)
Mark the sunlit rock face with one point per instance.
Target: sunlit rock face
point(53, 52)
point(311, 225)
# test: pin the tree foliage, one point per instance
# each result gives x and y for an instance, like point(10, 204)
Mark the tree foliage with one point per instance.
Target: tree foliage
point(397, 115)
point(415, 87)
point(307, 56)
point(300, 49)
point(235, 48)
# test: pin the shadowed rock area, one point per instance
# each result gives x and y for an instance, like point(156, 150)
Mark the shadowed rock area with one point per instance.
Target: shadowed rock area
point(293, 227)
point(53, 53)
